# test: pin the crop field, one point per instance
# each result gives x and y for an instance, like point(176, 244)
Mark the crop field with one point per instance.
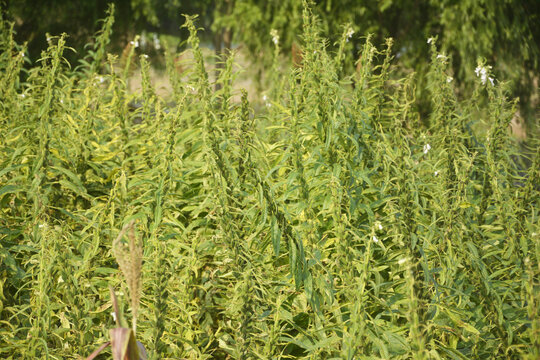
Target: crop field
point(331, 219)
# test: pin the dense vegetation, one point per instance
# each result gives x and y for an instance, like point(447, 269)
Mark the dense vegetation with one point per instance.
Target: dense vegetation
point(329, 221)
point(467, 30)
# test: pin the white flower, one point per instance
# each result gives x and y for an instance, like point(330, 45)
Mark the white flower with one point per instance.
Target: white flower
point(402, 261)
point(491, 81)
point(449, 79)
point(375, 240)
point(482, 72)
point(113, 316)
point(48, 39)
point(60, 279)
point(441, 56)
point(380, 226)
point(265, 99)
point(61, 101)
point(349, 34)
point(437, 173)
point(275, 36)
point(101, 79)
point(427, 147)
point(21, 53)
point(23, 96)
point(41, 226)
point(429, 40)
point(145, 56)
point(134, 43)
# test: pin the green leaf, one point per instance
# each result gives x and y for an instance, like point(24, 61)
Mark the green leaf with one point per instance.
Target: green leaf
point(9, 189)
point(276, 235)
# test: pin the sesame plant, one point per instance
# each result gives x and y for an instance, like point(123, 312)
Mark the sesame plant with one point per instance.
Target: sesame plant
point(129, 257)
point(330, 220)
